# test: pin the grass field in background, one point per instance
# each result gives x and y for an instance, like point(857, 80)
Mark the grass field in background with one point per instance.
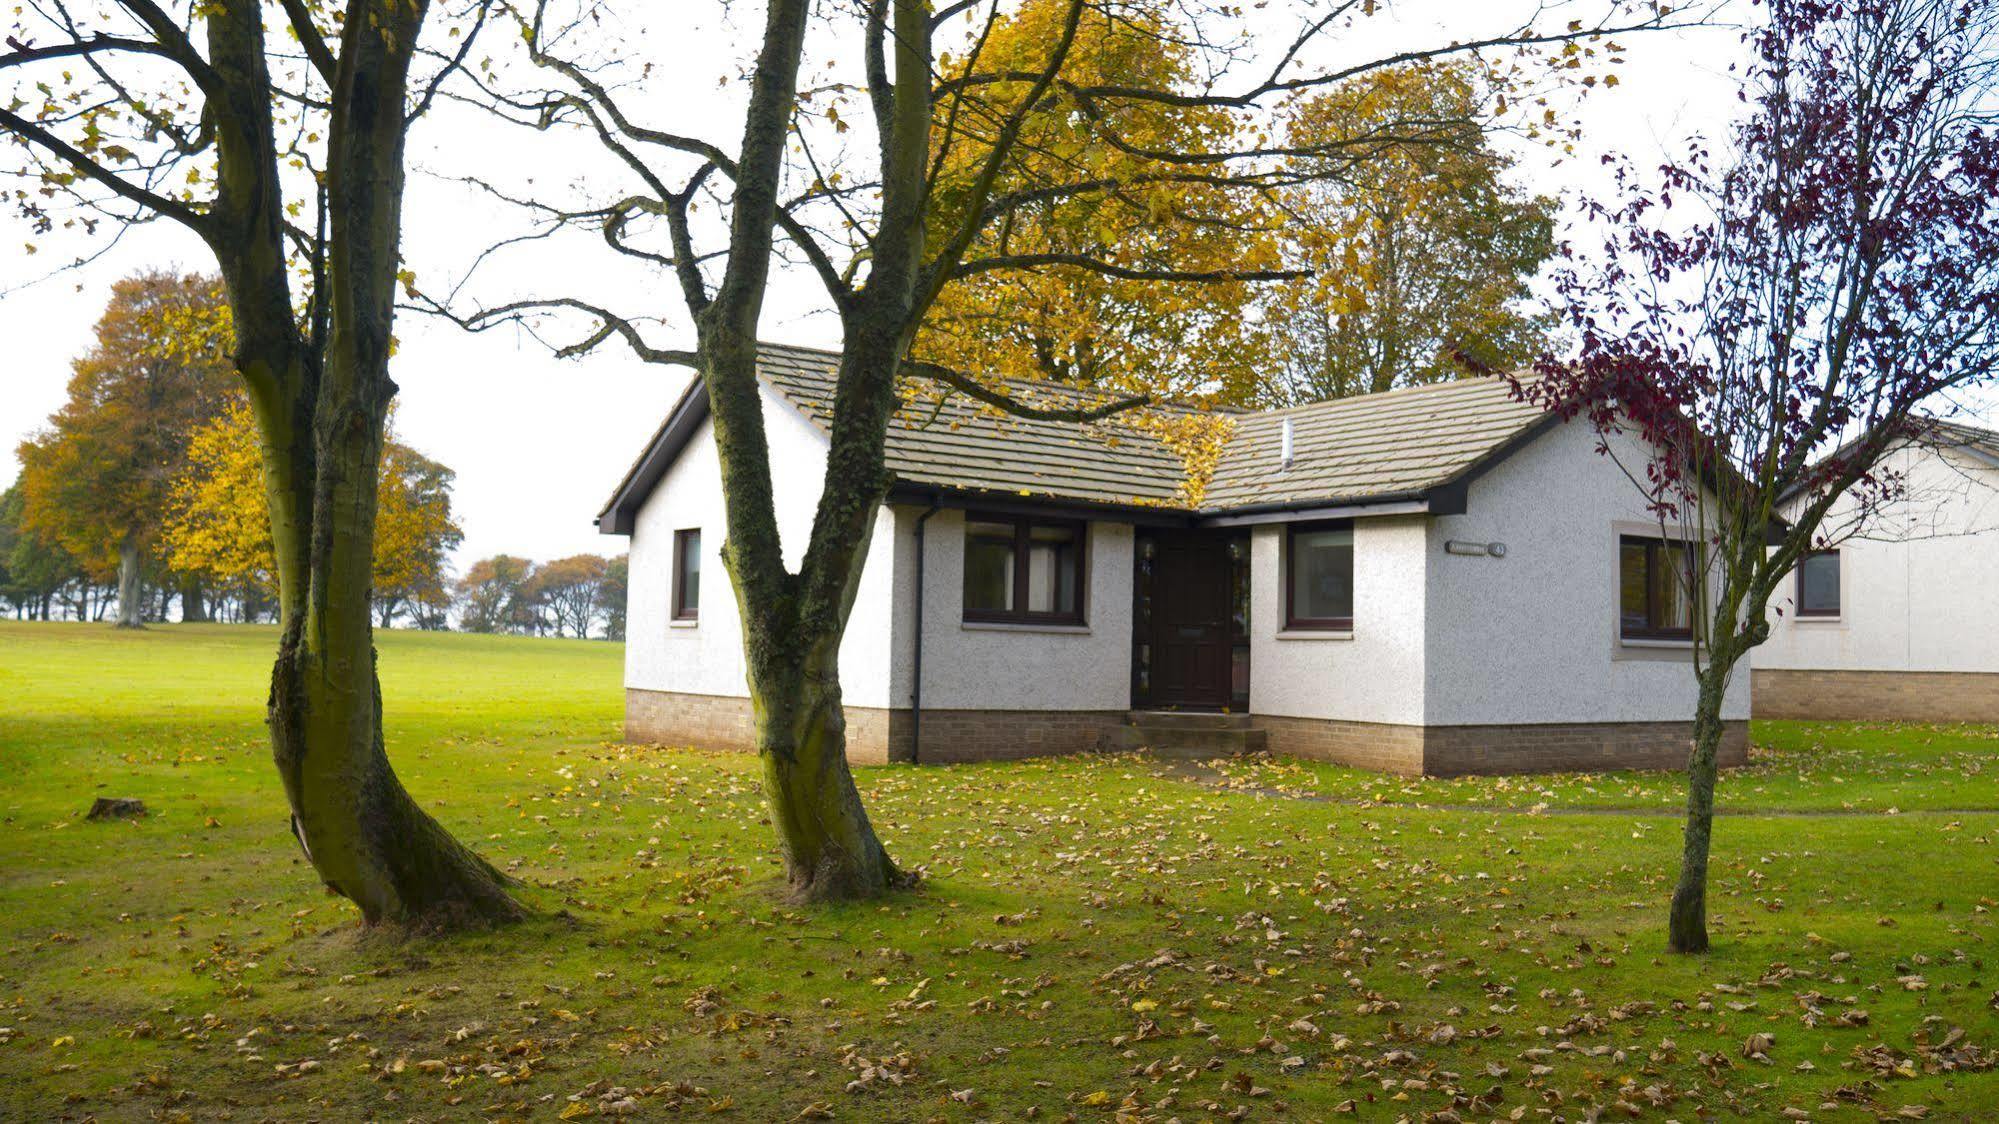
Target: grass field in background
point(1103, 938)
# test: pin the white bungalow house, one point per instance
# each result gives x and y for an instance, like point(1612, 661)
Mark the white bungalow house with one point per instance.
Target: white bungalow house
point(1438, 580)
point(1901, 621)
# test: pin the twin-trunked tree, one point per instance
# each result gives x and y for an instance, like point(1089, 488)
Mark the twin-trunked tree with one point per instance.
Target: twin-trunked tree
point(955, 153)
point(281, 147)
point(1839, 285)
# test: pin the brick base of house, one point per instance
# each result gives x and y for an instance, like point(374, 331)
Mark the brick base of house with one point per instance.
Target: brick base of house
point(876, 735)
point(1451, 751)
point(1368, 745)
point(1875, 696)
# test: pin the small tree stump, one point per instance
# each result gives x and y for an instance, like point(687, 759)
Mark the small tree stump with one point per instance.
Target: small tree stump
point(116, 808)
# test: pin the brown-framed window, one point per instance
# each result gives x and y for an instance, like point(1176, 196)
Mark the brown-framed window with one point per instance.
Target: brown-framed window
point(1023, 570)
point(1818, 584)
point(1654, 588)
point(1318, 575)
point(687, 574)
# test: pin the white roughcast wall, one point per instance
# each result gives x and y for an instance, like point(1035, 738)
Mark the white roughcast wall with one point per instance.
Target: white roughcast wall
point(1372, 674)
point(1532, 637)
point(1919, 591)
point(707, 658)
point(1010, 667)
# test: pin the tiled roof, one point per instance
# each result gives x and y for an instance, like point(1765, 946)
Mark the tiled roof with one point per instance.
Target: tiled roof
point(1377, 446)
point(1398, 443)
point(1976, 440)
point(1372, 449)
point(957, 444)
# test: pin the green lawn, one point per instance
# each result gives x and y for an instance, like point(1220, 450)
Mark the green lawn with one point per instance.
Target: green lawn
point(1097, 939)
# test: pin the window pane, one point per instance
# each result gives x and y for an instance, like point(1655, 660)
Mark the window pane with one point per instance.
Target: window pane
point(690, 572)
point(1632, 573)
point(989, 566)
point(1673, 602)
point(1818, 584)
point(1053, 554)
point(1322, 574)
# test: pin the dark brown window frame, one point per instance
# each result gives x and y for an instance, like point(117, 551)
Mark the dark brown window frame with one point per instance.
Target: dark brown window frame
point(1292, 621)
point(1022, 530)
point(1839, 591)
point(1654, 546)
point(681, 610)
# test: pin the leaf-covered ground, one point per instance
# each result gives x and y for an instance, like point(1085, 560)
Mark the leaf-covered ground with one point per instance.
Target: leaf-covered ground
point(1097, 939)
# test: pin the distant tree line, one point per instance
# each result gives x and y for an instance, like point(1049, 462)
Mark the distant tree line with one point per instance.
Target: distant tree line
point(582, 595)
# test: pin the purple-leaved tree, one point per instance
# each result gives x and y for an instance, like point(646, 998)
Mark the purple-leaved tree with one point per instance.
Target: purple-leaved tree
point(1838, 291)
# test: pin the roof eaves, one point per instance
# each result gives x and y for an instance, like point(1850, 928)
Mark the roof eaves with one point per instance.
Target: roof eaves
point(1323, 507)
point(620, 512)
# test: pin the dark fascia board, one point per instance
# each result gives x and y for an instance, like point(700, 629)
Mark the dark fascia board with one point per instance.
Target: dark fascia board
point(1456, 492)
point(1146, 515)
point(621, 513)
point(1013, 503)
point(1401, 503)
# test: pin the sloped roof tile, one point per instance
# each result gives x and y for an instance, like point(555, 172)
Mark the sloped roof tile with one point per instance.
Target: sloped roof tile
point(1374, 448)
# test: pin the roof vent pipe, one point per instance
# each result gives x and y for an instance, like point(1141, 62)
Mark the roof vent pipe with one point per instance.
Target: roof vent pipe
point(1288, 444)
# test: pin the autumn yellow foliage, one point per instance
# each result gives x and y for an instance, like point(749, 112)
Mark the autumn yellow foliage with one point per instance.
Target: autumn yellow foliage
point(218, 523)
point(98, 477)
point(1421, 250)
point(1185, 340)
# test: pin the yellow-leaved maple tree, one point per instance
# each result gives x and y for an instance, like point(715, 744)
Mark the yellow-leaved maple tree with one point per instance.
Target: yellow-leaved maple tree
point(1191, 340)
point(218, 525)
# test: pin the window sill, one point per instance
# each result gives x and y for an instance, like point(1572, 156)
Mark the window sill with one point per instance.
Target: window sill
point(1800, 618)
point(1316, 634)
point(1654, 651)
point(684, 622)
point(1024, 626)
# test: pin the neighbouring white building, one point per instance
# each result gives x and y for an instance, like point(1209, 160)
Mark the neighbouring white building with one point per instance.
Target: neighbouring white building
point(1900, 622)
point(1439, 580)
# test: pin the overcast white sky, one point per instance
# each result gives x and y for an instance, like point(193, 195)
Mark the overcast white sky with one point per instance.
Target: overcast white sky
point(537, 443)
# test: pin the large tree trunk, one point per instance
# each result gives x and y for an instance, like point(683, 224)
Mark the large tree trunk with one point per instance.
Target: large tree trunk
point(320, 408)
point(131, 597)
point(193, 609)
point(830, 849)
point(791, 637)
point(1686, 929)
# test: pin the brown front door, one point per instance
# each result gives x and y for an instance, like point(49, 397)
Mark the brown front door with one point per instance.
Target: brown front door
point(1184, 624)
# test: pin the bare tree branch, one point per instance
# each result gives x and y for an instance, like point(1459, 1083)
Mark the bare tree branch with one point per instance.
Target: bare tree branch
point(68, 154)
point(309, 38)
point(983, 392)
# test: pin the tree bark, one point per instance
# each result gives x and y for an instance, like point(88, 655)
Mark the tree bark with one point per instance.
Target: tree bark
point(1686, 928)
point(321, 409)
point(831, 852)
point(193, 608)
point(794, 623)
point(131, 599)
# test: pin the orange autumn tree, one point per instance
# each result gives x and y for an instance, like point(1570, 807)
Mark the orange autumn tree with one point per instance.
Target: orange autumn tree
point(97, 481)
point(1126, 335)
point(217, 524)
